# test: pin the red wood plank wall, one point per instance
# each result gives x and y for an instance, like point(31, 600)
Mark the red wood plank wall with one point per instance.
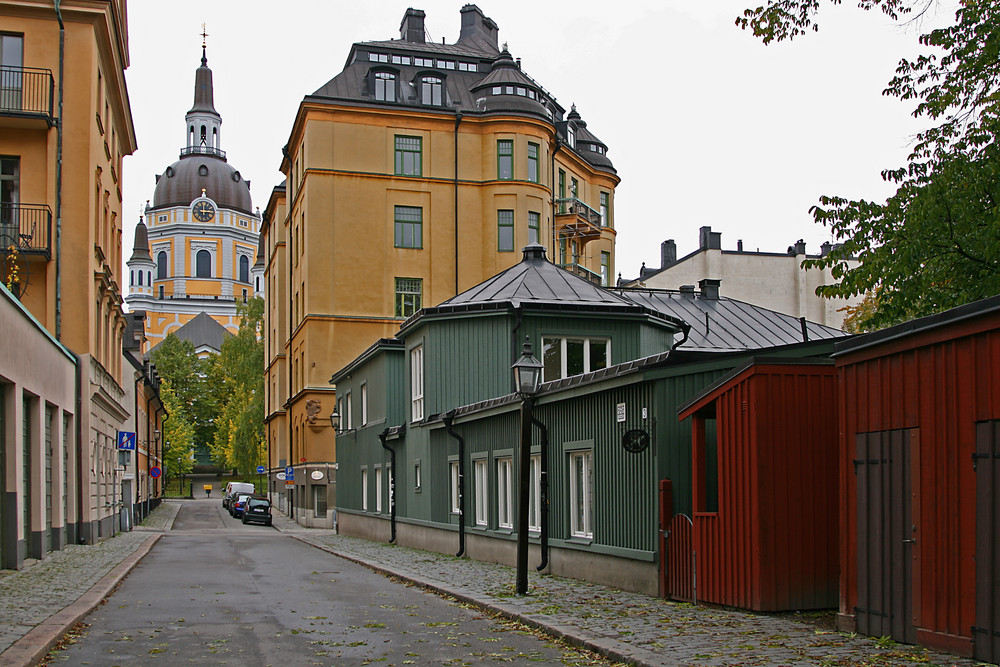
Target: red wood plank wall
point(940, 382)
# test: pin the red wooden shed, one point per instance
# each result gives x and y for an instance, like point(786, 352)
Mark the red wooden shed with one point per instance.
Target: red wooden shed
point(764, 448)
point(920, 465)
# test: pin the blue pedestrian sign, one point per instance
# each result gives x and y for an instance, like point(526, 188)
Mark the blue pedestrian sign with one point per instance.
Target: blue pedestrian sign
point(260, 469)
point(126, 440)
point(289, 474)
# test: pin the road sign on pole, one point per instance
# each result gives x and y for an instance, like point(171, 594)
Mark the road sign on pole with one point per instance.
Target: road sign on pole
point(260, 469)
point(126, 440)
point(155, 472)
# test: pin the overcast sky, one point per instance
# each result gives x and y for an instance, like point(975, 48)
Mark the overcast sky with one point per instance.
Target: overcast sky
point(705, 125)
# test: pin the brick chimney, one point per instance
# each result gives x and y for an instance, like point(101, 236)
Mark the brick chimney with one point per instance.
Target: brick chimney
point(668, 253)
point(411, 28)
point(709, 240)
point(709, 288)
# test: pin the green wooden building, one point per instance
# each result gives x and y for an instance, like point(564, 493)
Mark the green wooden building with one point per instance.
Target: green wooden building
point(432, 416)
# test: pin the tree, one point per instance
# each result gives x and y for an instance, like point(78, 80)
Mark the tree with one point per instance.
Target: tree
point(935, 243)
point(178, 435)
point(239, 439)
point(180, 367)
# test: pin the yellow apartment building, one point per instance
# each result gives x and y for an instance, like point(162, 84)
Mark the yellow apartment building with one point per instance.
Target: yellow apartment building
point(65, 125)
point(419, 171)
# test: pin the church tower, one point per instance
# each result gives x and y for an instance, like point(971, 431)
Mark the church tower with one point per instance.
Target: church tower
point(198, 240)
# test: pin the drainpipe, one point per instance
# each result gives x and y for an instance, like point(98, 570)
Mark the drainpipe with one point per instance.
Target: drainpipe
point(135, 400)
point(687, 331)
point(552, 178)
point(515, 335)
point(392, 485)
point(449, 420)
point(79, 452)
point(163, 439)
point(544, 494)
point(458, 120)
point(59, 142)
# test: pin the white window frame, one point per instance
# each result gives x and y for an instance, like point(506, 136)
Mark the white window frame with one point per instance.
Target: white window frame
point(417, 383)
point(456, 492)
point(587, 341)
point(482, 489)
point(505, 484)
point(535, 495)
point(364, 403)
point(345, 416)
point(378, 489)
point(364, 489)
point(416, 474)
point(581, 493)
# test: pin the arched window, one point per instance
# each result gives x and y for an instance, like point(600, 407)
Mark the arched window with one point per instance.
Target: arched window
point(131, 280)
point(161, 265)
point(385, 86)
point(215, 138)
point(140, 279)
point(430, 90)
point(257, 284)
point(149, 278)
point(203, 264)
point(204, 135)
point(244, 269)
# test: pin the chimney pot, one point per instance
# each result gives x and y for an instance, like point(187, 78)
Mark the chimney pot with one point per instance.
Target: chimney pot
point(687, 290)
point(709, 288)
point(668, 253)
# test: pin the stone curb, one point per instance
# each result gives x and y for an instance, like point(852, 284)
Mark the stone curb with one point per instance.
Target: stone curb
point(32, 647)
point(609, 648)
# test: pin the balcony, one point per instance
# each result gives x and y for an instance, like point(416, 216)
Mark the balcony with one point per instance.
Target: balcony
point(582, 271)
point(576, 219)
point(203, 150)
point(28, 227)
point(27, 93)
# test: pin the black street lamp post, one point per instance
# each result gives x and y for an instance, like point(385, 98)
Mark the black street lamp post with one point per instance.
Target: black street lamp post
point(527, 373)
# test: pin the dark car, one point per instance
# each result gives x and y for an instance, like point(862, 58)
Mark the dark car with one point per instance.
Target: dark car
point(258, 510)
point(238, 504)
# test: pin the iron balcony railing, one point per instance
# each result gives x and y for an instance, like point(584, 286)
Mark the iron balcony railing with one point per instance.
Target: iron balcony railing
point(203, 150)
point(573, 206)
point(583, 272)
point(26, 91)
point(27, 227)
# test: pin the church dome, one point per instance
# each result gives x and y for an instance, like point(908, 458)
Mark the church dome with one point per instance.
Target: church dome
point(184, 180)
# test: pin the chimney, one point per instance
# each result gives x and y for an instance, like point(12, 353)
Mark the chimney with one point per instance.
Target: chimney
point(739, 245)
point(709, 240)
point(668, 253)
point(825, 248)
point(709, 288)
point(411, 28)
point(687, 291)
point(799, 248)
point(476, 24)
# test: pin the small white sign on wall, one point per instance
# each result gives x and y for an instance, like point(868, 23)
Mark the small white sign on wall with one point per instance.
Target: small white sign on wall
point(620, 412)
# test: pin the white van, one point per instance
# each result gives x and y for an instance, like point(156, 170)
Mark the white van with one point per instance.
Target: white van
point(235, 488)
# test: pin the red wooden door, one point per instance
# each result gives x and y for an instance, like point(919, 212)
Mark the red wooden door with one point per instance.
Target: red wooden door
point(886, 534)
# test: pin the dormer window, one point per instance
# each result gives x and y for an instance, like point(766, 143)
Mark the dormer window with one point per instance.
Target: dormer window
point(385, 86)
point(423, 62)
point(378, 57)
point(401, 60)
point(446, 64)
point(430, 90)
point(571, 136)
point(468, 67)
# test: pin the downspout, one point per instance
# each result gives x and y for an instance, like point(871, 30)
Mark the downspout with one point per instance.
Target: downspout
point(458, 120)
point(135, 400)
point(687, 330)
point(392, 485)
point(163, 440)
point(59, 142)
point(449, 420)
point(515, 335)
point(552, 178)
point(543, 499)
point(79, 453)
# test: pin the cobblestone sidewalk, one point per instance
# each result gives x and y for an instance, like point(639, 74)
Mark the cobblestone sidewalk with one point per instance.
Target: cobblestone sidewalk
point(44, 587)
point(627, 627)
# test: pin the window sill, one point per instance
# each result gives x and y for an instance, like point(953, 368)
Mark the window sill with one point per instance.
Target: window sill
point(577, 539)
point(505, 531)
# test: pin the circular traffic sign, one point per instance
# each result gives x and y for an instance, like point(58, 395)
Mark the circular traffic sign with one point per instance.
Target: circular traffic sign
point(155, 471)
point(260, 469)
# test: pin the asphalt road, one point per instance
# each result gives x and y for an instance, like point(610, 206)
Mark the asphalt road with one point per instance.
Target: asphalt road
point(216, 592)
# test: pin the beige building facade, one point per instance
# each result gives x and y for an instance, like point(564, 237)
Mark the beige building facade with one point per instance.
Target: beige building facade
point(419, 171)
point(773, 280)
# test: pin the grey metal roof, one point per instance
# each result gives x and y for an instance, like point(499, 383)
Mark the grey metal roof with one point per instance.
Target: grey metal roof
point(140, 246)
point(204, 94)
point(537, 283)
point(725, 324)
point(203, 331)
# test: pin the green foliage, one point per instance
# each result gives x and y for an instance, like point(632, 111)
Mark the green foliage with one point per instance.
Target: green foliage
point(239, 375)
point(188, 376)
point(178, 445)
point(935, 243)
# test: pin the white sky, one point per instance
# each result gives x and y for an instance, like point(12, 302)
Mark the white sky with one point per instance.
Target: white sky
point(704, 124)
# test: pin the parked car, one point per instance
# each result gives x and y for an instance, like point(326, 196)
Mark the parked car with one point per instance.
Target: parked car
point(258, 510)
point(238, 504)
point(234, 488)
